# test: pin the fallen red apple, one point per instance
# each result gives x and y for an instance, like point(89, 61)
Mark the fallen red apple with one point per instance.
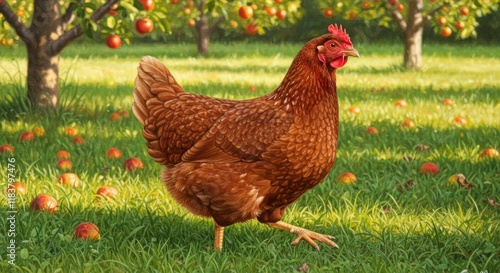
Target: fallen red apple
point(26, 137)
point(408, 123)
point(113, 153)
point(371, 130)
point(460, 120)
point(447, 101)
point(87, 231)
point(69, 179)
point(490, 152)
point(78, 140)
point(64, 164)
point(124, 113)
point(401, 103)
point(62, 154)
point(17, 187)
point(354, 110)
point(107, 192)
point(133, 164)
point(347, 178)
point(6, 148)
point(45, 203)
point(429, 168)
point(114, 116)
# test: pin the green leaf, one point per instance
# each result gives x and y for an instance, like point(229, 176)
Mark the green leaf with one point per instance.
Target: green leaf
point(33, 233)
point(88, 32)
point(24, 254)
point(93, 25)
point(111, 22)
point(130, 8)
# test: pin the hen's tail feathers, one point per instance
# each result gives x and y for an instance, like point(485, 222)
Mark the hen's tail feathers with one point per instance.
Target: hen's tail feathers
point(154, 85)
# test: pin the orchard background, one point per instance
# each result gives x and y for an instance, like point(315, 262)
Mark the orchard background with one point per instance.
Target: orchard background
point(395, 120)
point(47, 27)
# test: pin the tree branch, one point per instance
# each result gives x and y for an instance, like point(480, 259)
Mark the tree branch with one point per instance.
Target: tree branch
point(400, 20)
point(68, 17)
point(68, 36)
point(22, 31)
point(216, 23)
point(430, 15)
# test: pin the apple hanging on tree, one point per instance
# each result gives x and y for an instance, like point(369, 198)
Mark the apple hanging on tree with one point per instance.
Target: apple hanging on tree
point(144, 25)
point(114, 41)
point(148, 4)
point(245, 12)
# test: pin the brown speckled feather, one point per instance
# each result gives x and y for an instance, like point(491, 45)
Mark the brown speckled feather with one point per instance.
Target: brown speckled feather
point(238, 160)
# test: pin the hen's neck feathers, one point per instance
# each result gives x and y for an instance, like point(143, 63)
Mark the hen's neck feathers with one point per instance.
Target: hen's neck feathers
point(306, 83)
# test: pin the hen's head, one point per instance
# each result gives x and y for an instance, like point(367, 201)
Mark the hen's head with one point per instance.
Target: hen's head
point(337, 48)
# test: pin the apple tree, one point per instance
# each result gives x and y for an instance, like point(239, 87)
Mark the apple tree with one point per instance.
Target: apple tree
point(446, 17)
point(46, 27)
point(251, 17)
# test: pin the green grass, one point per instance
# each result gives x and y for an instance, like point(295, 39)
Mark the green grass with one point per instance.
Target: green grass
point(430, 228)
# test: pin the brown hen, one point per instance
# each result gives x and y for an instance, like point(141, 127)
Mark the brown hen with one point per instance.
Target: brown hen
point(239, 160)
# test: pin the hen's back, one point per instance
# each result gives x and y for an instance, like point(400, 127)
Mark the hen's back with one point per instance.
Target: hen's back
point(173, 120)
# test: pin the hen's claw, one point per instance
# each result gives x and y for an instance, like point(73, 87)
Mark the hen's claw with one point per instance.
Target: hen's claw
point(303, 234)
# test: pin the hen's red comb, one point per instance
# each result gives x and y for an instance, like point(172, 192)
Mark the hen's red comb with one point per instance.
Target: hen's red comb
point(340, 33)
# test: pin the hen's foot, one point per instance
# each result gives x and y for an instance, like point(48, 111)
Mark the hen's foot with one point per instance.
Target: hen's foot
point(304, 234)
point(219, 237)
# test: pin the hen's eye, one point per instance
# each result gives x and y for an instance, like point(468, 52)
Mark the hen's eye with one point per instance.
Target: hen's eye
point(332, 45)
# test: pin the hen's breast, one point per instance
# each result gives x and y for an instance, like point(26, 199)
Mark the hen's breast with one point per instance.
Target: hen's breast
point(305, 155)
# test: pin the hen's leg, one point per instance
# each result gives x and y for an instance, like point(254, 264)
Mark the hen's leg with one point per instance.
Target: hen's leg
point(219, 237)
point(302, 233)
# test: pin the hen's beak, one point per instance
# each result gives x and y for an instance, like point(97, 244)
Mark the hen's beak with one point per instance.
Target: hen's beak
point(351, 52)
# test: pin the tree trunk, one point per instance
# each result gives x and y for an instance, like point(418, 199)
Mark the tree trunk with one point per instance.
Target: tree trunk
point(203, 31)
point(43, 79)
point(43, 62)
point(45, 39)
point(413, 35)
point(413, 49)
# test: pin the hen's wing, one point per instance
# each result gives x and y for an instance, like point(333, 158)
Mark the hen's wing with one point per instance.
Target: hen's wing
point(184, 127)
point(243, 133)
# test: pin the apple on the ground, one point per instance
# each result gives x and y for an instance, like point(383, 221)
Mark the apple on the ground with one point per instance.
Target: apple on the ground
point(87, 231)
point(44, 202)
point(347, 178)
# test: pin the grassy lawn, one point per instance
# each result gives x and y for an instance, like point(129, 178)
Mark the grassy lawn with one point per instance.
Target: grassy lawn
point(431, 227)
